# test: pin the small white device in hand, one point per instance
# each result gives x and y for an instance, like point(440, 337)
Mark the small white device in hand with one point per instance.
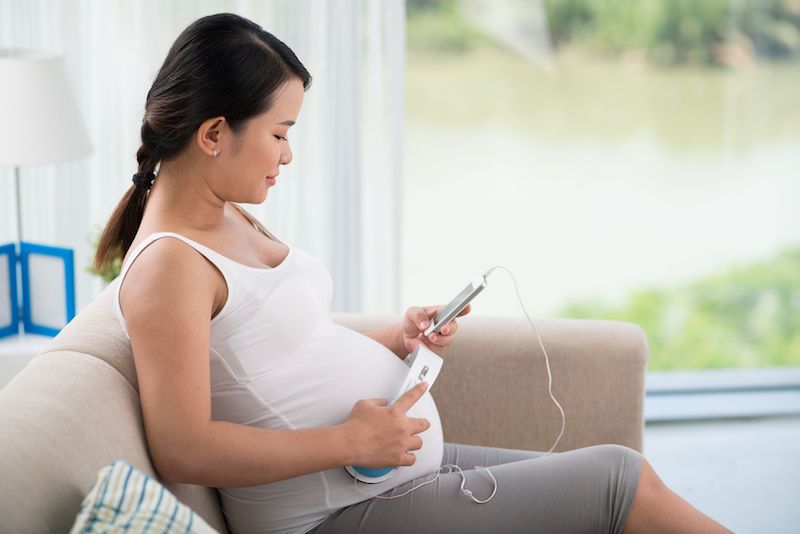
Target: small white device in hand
point(424, 367)
point(456, 305)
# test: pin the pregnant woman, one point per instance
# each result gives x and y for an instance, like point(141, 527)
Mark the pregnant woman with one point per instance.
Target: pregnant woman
point(245, 382)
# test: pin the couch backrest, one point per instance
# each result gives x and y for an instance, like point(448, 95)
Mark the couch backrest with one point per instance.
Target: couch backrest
point(75, 408)
point(71, 411)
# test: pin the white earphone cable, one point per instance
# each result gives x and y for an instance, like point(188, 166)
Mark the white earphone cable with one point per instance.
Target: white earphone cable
point(546, 357)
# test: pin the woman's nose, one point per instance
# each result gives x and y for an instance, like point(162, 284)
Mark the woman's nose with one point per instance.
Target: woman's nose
point(286, 155)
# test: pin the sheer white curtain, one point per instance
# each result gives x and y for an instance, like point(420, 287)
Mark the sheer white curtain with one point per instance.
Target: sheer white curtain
point(340, 197)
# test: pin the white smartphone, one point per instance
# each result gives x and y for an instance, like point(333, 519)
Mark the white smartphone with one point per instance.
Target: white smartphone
point(456, 305)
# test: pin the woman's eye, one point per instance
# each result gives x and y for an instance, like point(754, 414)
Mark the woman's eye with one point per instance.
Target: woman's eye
point(280, 138)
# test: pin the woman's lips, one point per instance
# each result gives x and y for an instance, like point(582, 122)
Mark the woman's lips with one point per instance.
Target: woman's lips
point(272, 179)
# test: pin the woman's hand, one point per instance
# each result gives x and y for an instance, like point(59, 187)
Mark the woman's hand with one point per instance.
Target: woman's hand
point(415, 322)
point(381, 434)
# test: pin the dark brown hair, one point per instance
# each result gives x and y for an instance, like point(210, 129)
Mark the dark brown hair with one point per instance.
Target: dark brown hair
point(220, 65)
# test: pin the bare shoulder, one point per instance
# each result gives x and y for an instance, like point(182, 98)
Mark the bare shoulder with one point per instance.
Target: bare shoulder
point(168, 273)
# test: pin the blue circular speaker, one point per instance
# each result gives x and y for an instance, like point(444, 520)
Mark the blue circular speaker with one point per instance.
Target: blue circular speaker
point(371, 475)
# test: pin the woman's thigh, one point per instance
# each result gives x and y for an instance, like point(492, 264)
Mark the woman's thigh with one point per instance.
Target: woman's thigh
point(584, 490)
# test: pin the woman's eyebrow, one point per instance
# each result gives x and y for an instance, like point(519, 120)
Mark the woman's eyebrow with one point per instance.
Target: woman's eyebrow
point(287, 123)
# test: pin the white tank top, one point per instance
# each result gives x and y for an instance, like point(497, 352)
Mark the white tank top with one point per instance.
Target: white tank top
point(279, 361)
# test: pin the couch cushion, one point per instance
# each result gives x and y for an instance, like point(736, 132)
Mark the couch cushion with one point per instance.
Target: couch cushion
point(124, 498)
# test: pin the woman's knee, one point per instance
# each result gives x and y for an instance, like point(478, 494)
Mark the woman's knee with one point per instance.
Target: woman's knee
point(621, 459)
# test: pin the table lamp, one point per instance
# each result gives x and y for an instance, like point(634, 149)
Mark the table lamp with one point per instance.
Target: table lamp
point(42, 125)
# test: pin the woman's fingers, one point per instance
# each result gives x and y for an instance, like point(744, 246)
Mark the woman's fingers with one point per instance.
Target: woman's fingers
point(448, 331)
point(422, 424)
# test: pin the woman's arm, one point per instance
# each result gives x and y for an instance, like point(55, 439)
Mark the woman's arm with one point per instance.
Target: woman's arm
point(226, 454)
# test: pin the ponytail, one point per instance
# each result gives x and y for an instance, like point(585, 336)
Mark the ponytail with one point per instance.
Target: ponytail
point(123, 224)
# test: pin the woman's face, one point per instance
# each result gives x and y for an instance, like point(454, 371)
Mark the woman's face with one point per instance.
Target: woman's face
point(246, 161)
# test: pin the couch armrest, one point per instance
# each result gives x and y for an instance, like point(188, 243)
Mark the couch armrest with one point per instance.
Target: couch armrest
point(493, 387)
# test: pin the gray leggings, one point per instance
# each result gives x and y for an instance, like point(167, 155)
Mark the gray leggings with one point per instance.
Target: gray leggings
point(583, 490)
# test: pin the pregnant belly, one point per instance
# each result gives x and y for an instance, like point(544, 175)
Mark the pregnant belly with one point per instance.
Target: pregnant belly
point(375, 371)
point(322, 383)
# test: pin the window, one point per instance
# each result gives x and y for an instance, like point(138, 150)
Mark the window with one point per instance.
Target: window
point(626, 160)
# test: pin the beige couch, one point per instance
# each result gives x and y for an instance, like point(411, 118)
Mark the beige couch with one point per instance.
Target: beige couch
point(74, 408)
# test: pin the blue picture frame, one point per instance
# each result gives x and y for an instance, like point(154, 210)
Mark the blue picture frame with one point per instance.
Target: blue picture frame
point(8, 254)
point(26, 250)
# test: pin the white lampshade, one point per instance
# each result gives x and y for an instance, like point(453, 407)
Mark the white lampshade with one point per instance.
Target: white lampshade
point(41, 119)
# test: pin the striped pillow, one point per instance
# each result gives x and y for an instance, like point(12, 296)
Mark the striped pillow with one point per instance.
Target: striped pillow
point(124, 498)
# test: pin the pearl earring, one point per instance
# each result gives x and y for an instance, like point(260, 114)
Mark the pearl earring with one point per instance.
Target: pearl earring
point(214, 153)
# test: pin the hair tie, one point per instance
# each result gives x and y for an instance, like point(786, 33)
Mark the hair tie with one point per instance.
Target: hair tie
point(143, 179)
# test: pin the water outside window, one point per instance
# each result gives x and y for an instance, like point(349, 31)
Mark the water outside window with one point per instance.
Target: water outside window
point(626, 160)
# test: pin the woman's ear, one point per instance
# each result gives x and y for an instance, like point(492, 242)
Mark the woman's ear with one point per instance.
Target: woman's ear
point(210, 133)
